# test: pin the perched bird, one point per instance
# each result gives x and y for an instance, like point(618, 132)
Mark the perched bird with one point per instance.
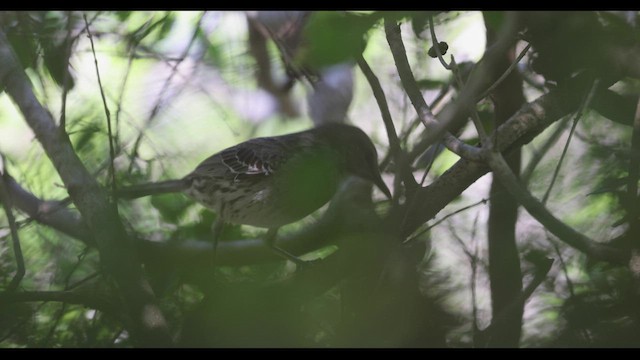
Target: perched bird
point(269, 182)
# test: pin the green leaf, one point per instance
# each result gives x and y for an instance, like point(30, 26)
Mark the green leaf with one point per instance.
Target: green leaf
point(494, 19)
point(170, 206)
point(123, 15)
point(55, 61)
point(86, 135)
point(335, 37)
point(147, 28)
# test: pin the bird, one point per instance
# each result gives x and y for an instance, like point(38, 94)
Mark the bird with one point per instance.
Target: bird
point(269, 182)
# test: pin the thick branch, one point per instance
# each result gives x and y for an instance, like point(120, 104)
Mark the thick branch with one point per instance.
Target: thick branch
point(505, 274)
point(116, 250)
point(336, 223)
point(527, 123)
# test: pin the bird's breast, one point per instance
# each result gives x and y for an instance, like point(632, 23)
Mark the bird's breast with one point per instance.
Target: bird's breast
point(293, 192)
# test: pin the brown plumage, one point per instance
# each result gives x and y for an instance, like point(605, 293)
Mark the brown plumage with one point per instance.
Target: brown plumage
point(273, 181)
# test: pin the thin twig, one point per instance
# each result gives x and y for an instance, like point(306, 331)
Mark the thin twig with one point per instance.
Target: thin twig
point(394, 143)
point(83, 280)
point(404, 135)
point(165, 87)
point(438, 222)
point(5, 198)
point(539, 154)
point(436, 44)
point(563, 231)
point(563, 265)
point(398, 51)
point(475, 118)
point(63, 307)
point(117, 252)
point(112, 171)
point(505, 74)
point(565, 271)
point(436, 149)
point(540, 275)
point(121, 93)
point(474, 279)
point(577, 117)
point(65, 81)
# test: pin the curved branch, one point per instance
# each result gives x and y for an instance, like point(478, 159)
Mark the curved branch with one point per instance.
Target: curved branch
point(5, 199)
point(527, 123)
point(394, 142)
point(116, 250)
point(337, 222)
point(564, 232)
point(435, 128)
point(523, 126)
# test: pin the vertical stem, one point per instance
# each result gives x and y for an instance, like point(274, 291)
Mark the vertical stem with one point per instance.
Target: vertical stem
point(504, 259)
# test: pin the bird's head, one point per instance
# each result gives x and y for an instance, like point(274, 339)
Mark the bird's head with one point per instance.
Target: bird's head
point(359, 153)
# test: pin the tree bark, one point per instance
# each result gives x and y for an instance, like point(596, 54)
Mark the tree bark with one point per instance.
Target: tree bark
point(504, 260)
point(147, 325)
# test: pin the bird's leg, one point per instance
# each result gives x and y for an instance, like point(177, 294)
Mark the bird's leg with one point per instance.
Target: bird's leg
point(270, 240)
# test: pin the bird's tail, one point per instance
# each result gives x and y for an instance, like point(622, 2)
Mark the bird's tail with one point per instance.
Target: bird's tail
point(162, 187)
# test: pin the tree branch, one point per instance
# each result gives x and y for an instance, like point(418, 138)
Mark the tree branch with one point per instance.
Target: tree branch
point(5, 199)
point(454, 115)
point(523, 126)
point(394, 143)
point(435, 128)
point(117, 252)
point(564, 232)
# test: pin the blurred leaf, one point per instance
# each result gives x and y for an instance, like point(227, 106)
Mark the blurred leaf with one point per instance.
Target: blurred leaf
point(202, 229)
point(137, 35)
point(24, 46)
point(86, 135)
point(334, 37)
point(170, 206)
point(167, 25)
point(123, 15)
point(609, 185)
point(56, 62)
point(214, 52)
point(419, 22)
point(494, 19)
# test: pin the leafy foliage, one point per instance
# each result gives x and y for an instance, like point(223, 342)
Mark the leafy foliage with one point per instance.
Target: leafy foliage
point(172, 105)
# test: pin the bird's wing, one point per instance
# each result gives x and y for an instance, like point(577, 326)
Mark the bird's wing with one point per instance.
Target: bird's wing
point(255, 157)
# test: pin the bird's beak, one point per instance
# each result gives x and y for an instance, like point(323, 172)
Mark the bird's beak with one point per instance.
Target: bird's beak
point(381, 185)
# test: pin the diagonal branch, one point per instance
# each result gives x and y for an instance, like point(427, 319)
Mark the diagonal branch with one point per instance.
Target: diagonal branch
point(5, 199)
point(523, 126)
point(394, 143)
point(563, 231)
point(117, 252)
point(435, 128)
point(112, 171)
